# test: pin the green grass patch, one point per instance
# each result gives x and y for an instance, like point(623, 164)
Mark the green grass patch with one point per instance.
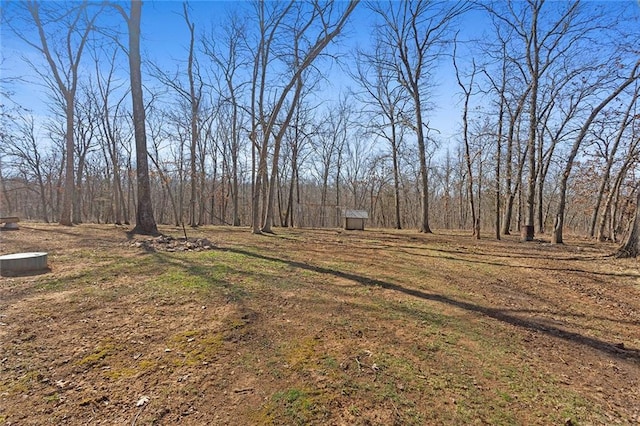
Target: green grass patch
point(101, 351)
point(300, 354)
point(121, 373)
point(294, 406)
point(22, 384)
point(193, 347)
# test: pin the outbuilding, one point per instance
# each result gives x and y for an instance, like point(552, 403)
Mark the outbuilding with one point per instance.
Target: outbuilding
point(354, 219)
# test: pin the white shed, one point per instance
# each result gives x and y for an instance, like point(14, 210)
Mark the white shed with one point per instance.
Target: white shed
point(354, 219)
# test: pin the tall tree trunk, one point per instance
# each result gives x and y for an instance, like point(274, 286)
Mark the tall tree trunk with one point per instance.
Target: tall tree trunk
point(533, 63)
point(289, 218)
point(514, 121)
point(268, 220)
point(68, 194)
point(234, 167)
point(396, 176)
point(194, 103)
point(145, 222)
point(77, 196)
point(512, 196)
point(7, 207)
point(631, 245)
point(531, 145)
point(43, 197)
point(424, 171)
point(465, 138)
point(540, 204)
point(257, 189)
point(497, 169)
point(609, 202)
point(508, 210)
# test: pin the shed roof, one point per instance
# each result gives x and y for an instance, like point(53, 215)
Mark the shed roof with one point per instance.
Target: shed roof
point(356, 214)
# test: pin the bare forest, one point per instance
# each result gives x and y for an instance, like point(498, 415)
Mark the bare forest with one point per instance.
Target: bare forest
point(284, 114)
point(183, 175)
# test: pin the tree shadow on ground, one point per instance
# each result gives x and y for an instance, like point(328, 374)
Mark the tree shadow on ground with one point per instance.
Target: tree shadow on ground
point(543, 249)
point(448, 256)
point(73, 231)
point(501, 315)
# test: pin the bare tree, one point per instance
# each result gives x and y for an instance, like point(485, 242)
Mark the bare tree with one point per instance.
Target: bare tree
point(26, 152)
point(631, 245)
point(358, 170)
point(7, 129)
point(625, 122)
point(63, 55)
point(500, 88)
point(328, 146)
point(562, 104)
point(264, 129)
point(634, 74)
point(159, 124)
point(226, 54)
point(611, 202)
point(475, 219)
point(387, 101)
point(195, 94)
point(340, 129)
point(546, 34)
point(112, 128)
point(298, 140)
point(513, 93)
point(87, 116)
point(145, 221)
point(269, 22)
point(278, 137)
point(192, 95)
point(417, 32)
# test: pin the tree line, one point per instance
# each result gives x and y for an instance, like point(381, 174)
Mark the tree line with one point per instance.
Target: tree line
point(245, 128)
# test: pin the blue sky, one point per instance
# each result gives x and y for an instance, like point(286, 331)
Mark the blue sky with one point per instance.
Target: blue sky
point(165, 41)
point(165, 35)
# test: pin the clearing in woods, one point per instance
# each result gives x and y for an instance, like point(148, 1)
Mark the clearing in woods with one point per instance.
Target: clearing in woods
point(316, 326)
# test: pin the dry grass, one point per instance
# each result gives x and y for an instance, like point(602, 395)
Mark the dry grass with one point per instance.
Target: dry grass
point(318, 327)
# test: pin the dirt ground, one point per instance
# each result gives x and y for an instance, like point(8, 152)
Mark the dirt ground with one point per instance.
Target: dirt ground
point(313, 326)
